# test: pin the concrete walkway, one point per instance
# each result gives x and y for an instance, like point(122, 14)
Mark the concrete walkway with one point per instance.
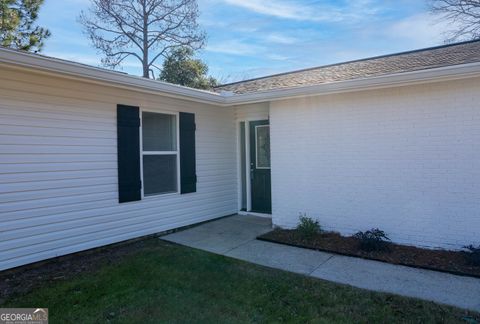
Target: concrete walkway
point(235, 237)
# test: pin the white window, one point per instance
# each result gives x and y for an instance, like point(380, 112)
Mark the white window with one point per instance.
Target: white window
point(159, 153)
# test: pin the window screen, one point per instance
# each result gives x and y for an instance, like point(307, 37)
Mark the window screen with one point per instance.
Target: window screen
point(160, 154)
point(159, 132)
point(159, 174)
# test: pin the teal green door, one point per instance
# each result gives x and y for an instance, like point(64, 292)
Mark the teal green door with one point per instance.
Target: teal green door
point(260, 176)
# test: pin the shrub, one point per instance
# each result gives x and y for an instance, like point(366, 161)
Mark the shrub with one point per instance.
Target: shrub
point(307, 226)
point(473, 255)
point(373, 240)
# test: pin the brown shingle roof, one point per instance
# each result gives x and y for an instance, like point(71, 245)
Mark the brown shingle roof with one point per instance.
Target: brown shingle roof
point(434, 57)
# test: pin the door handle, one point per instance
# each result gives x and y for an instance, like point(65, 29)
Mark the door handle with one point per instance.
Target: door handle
point(251, 174)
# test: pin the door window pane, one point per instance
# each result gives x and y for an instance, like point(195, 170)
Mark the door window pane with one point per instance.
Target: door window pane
point(159, 132)
point(262, 141)
point(159, 174)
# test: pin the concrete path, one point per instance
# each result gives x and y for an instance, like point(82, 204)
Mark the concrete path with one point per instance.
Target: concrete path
point(235, 237)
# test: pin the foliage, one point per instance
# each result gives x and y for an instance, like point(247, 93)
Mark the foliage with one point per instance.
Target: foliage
point(372, 240)
point(181, 68)
point(473, 254)
point(17, 29)
point(141, 30)
point(464, 16)
point(307, 227)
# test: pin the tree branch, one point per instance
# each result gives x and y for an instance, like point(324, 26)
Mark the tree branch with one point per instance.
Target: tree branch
point(144, 29)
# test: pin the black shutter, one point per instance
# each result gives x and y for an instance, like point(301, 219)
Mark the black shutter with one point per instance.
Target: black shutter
point(128, 147)
point(188, 176)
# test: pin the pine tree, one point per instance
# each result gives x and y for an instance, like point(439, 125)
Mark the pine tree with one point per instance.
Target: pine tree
point(181, 68)
point(17, 25)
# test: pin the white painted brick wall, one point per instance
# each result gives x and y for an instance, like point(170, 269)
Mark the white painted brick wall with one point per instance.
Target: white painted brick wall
point(406, 160)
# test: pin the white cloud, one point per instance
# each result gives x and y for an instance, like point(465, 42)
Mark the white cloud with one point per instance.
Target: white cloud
point(234, 47)
point(277, 57)
point(212, 23)
point(277, 8)
point(245, 29)
point(420, 30)
point(296, 11)
point(280, 39)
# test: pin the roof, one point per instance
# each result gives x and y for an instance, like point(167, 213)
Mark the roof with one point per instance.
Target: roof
point(428, 58)
point(460, 61)
point(14, 58)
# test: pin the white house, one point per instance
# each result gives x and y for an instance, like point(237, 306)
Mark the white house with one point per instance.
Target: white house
point(90, 157)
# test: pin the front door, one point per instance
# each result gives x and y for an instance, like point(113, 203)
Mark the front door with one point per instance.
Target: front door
point(261, 193)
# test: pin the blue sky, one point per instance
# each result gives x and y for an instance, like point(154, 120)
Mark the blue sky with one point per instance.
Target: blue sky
point(251, 38)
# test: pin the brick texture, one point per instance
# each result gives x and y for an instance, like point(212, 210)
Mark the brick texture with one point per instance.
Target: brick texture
point(406, 160)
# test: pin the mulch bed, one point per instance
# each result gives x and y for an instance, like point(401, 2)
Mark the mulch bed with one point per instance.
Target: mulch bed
point(440, 260)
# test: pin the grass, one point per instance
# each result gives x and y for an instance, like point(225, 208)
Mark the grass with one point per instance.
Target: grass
point(163, 282)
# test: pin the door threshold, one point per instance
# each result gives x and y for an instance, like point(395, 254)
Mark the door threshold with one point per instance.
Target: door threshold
point(244, 213)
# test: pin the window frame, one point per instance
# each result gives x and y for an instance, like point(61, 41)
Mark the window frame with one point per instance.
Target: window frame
point(177, 152)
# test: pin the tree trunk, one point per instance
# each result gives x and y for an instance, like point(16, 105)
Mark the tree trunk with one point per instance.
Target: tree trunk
point(146, 67)
point(146, 72)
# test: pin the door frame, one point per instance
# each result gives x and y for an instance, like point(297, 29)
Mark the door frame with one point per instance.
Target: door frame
point(247, 164)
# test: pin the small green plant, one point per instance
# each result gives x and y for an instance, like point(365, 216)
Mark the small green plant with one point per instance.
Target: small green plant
point(373, 240)
point(307, 226)
point(473, 254)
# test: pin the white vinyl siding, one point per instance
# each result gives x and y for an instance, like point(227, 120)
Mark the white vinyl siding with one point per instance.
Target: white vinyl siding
point(58, 168)
point(257, 111)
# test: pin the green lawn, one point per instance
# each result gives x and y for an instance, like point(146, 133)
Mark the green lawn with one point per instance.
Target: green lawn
point(169, 283)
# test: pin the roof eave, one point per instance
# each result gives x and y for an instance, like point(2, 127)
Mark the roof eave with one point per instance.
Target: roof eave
point(453, 72)
point(23, 60)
